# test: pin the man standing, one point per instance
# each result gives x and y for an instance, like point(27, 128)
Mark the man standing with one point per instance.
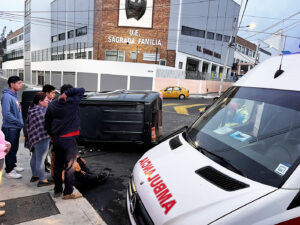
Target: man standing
point(49, 90)
point(12, 124)
point(62, 123)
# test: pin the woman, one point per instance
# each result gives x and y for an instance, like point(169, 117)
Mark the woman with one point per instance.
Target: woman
point(4, 148)
point(38, 139)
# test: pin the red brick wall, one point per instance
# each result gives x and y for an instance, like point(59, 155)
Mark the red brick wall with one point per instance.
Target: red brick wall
point(106, 23)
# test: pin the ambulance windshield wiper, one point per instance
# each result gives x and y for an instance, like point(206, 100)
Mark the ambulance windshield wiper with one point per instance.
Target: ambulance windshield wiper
point(233, 168)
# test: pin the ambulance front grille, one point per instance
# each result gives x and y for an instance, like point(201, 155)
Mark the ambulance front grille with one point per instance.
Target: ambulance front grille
point(219, 179)
point(137, 208)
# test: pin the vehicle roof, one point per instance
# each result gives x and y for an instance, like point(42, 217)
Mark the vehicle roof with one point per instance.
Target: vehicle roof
point(262, 75)
point(174, 86)
point(122, 95)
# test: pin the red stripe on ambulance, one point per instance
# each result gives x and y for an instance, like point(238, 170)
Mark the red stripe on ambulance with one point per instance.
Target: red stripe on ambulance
point(160, 189)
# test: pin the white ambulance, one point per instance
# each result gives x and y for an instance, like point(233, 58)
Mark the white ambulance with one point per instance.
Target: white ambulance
point(239, 163)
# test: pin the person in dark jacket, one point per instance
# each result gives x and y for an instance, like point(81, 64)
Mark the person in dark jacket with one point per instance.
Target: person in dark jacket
point(62, 124)
point(12, 124)
point(49, 90)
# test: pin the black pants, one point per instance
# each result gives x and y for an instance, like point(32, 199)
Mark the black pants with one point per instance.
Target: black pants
point(12, 135)
point(66, 150)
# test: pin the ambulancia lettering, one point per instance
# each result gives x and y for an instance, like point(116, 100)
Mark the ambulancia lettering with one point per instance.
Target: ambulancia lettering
point(160, 189)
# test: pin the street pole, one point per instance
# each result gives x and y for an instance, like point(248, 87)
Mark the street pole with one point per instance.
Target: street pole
point(226, 58)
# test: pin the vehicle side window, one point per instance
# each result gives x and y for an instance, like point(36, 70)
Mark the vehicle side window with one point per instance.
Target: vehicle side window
point(177, 89)
point(169, 89)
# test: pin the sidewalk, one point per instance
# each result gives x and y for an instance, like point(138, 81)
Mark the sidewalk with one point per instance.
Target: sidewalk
point(39, 208)
point(207, 96)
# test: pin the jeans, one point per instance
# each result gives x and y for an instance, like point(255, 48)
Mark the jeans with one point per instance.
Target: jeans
point(1, 169)
point(66, 151)
point(38, 157)
point(12, 135)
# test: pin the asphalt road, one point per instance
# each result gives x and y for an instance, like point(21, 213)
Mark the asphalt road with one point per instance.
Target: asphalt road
point(109, 198)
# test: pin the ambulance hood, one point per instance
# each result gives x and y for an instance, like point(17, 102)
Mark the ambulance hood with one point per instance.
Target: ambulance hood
point(173, 193)
point(262, 75)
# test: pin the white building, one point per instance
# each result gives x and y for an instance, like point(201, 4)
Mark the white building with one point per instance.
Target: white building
point(245, 56)
point(15, 53)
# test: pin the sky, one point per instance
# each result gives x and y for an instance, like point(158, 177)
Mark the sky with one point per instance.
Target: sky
point(273, 11)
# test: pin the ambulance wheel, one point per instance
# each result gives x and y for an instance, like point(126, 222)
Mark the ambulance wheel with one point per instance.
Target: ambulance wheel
point(181, 97)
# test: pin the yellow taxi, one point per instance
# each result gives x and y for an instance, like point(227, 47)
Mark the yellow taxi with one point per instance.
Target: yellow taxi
point(175, 92)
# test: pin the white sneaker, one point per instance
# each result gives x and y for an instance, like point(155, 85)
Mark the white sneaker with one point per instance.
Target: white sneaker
point(13, 175)
point(19, 169)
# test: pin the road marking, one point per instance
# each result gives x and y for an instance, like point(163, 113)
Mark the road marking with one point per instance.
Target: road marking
point(170, 104)
point(183, 109)
point(202, 109)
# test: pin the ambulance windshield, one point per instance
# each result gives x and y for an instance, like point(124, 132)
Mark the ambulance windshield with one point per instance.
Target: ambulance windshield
point(256, 130)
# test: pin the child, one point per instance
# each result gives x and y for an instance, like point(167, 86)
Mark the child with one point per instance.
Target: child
point(4, 148)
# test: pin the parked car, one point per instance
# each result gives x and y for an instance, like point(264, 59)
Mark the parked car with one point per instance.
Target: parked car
point(175, 92)
point(239, 163)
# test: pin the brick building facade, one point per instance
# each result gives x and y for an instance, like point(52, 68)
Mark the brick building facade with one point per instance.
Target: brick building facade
point(135, 43)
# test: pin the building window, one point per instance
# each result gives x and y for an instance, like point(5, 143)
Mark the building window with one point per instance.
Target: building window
point(253, 54)
point(90, 55)
point(226, 38)
point(27, 7)
point(61, 37)
point(239, 48)
point(133, 55)
point(113, 55)
point(21, 37)
point(192, 32)
point(210, 35)
point(219, 37)
point(243, 49)
point(81, 31)
point(180, 65)
point(152, 57)
point(54, 38)
point(80, 55)
point(247, 51)
point(71, 34)
point(162, 62)
point(41, 78)
point(70, 56)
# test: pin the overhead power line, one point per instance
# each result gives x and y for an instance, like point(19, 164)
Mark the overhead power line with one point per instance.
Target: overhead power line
point(276, 24)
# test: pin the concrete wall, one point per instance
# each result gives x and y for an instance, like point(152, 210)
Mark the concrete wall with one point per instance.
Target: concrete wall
point(113, 82)
point(56, 79)
point(141, 83)
point(97, 75)
point(69, 78)
point(88, 80)
point(47, 77)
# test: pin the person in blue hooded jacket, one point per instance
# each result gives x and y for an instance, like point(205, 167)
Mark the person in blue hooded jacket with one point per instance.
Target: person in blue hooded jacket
point(12, 124)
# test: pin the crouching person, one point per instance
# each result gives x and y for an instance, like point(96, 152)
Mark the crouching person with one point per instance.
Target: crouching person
point(62, 124)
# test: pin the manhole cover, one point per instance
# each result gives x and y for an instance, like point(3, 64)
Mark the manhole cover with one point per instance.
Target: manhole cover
point(29, 208)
